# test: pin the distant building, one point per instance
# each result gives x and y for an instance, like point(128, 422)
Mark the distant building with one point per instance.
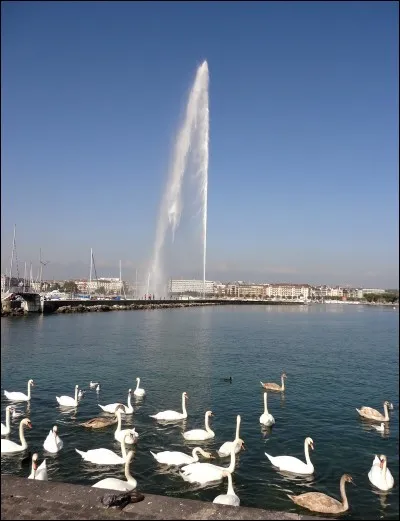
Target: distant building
point(372, 290)
point(111, 285)
point(182, 287)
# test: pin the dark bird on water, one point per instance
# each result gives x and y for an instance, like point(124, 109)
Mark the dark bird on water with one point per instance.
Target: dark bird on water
point(121, 500)
point(228, 379)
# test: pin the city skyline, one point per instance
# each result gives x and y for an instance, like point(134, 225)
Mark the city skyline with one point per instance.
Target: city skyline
point(303, 182)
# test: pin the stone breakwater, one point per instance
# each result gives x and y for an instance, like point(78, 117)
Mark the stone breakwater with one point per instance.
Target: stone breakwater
point(126, 307)
point(29, 499)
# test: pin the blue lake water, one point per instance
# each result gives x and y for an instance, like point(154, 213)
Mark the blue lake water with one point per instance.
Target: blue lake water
point(336, 357)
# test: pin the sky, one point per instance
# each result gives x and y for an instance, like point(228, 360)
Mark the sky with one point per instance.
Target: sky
point(303, 171)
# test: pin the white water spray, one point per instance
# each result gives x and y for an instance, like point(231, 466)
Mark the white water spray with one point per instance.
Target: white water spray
point(192, 139)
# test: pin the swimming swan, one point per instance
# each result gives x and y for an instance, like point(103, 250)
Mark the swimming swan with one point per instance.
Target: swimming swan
point(207, 472)
point(295, 465)
point(266, 418)
point(126, 409)
point(201, 434)
point(372, 414)
point(230, 498)
point(322, 503)
point(276, 387)
point(173, 415)
point(38, 473)
point(9, 447)
point(6, 429)
point(104, 456)
point(67, 401)
point(53, 443)
point(139, 391)
point(119, 434)
point(379, 475)
point(225, 449)
point(20, 397)
point(168, 457)
point(119, 484)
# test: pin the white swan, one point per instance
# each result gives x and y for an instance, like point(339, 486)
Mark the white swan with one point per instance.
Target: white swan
point(295, 465)
point(225, 449)
point(67, 401)
point(20, 397)
point(168, 457)
point(230, 498)
point(81, 394)
point(93, 384)
point(97, 388)
point(9, 447)
point(207, 472)
point(126, 409)
point(38, 473)
point(6, 429)
point(124, 433)
point(173, 415)
point(53, 443)
point(201, 434)
point(119, 484)
point(379, 475)
point(266, 418)
point(139, 391)
point(104, 456)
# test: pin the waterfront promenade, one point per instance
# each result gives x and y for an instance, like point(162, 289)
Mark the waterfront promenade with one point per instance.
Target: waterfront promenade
point(28, 499)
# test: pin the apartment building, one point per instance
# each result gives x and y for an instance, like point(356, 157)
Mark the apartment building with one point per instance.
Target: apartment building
point(182, 287)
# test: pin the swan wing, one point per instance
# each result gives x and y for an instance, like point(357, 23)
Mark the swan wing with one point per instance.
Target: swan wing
point(111, 407)
point(172, 458)
point(318, 502)
point(16, 396)
point(201, 472)
point(227, 499)
point(369, 412)
point(196, 434)
point(50, 443)
point(5, 430)
point(101, 456)
point(225, 449)
point(10, 446)
point(67, 401)
point(114, 484)
point(168, 415)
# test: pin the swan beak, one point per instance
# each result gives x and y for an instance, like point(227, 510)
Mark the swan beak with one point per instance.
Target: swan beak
point(312, 446)
point(29, 425)
point(243, 446)
point(381, 463)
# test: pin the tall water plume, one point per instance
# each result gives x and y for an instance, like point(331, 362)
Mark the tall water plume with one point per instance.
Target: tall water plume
point(191, 148)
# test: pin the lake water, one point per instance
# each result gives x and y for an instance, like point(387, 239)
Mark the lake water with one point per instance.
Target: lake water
point(336, 357)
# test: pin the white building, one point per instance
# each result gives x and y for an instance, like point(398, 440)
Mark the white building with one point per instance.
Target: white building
point(180, 287)
point(111, 285)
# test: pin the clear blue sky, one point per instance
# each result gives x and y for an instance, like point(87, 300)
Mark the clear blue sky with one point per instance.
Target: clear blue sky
point(303, 177)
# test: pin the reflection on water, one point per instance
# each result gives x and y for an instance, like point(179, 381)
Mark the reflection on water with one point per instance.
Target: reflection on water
point(330, 357)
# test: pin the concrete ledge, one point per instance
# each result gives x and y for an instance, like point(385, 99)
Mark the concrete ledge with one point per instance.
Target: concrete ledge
point(28, 499)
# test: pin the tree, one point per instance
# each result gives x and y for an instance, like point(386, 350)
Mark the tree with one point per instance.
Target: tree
point(55, 286)
point(101, 290)
point(70, 287)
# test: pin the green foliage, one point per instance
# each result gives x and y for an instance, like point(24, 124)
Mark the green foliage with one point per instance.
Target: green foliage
point(101, 290)
point(70, 287)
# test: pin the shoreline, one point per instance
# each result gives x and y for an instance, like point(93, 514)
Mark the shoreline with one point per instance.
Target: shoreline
point(22, 498)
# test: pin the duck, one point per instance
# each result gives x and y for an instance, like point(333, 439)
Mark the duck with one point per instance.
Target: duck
point(225, 449)
point(8, 447)
point(173, 415)
point(67, 401)
point(230, 498)
point(201, 434)
point(126, 409)
point(104, 456)
point(139, 391)
point(295, 465)
point(379, 428)
point(266, 418)
point(168, 457)
point(53, 443)
point(276, 387)
point(20, 397)
point(207, 472)
point(97, 388)
point(81, 394)
point(127, 434)
point(372, 414)
point(92, 385)
point(322, 503)
point(6, 429)
point(119, 484)
point(379, 475)
point(227, 379)
point(38, 473)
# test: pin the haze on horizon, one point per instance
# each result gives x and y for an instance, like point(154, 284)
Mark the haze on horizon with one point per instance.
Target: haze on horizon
point(303, 174)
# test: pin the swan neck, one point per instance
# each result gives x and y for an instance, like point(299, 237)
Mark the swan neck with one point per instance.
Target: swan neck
point(29, 391)
point(307, 453)
point(8, 413)
point(230, 490)
point(385, 408)
point(194, 453)
point(119, 426)
point(184, 405)
point(22, 436)
point(283, 383)
point(231, 467)
point(343, 494)
point(76, 396)
point(384, 469)
point(123, 448)
point(265, 404)
point(128, 475)
point(137, 384)
point(237, 429)
point(129, 401)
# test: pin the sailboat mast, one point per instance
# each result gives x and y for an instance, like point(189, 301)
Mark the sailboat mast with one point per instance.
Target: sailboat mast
point(90, 273)
point(12, 259)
